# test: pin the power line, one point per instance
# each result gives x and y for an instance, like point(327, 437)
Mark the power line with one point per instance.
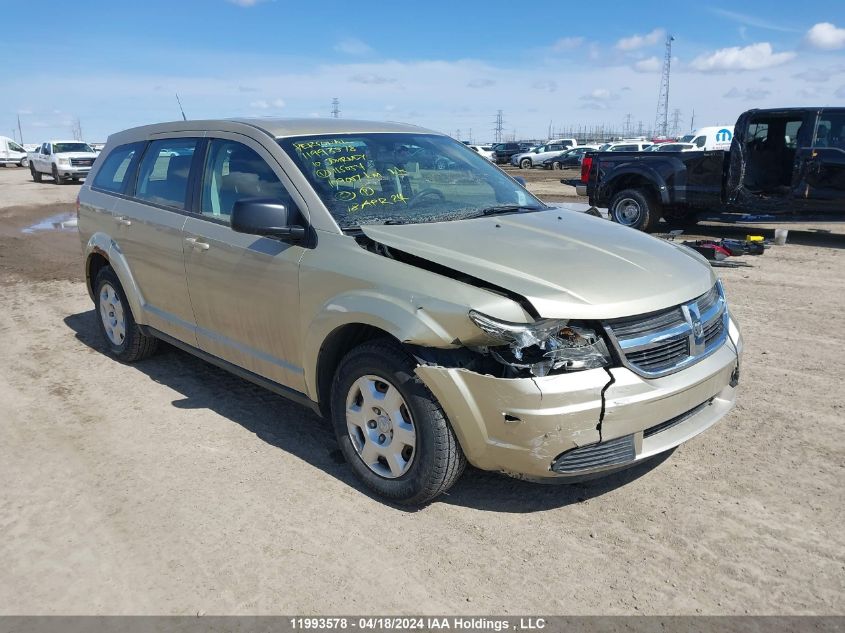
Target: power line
point(676, 121)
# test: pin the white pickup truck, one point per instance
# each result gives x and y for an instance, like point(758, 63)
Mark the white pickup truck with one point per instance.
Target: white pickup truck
point(63, 160)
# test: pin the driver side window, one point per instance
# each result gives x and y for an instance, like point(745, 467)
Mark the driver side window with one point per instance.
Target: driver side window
point(234, 172)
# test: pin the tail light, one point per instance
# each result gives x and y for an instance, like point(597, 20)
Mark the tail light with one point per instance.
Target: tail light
point(586, 165)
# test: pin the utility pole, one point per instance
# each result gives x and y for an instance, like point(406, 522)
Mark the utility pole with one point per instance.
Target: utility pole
point(335, 108)
point(20, 134)
point(661, 120)
point(692, 122)
point(499, 127)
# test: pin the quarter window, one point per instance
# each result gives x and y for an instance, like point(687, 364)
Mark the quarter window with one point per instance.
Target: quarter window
point(163, 176)
point(113, 174)
point(830, 132)
point(234, 172)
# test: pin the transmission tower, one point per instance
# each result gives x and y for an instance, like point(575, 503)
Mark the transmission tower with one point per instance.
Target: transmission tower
point(336, 108)
point(676, 121)
point(499, 127)
point(627, 131)
point(661, 121)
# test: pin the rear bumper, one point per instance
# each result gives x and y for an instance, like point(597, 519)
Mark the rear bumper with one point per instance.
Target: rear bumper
point(553, 428)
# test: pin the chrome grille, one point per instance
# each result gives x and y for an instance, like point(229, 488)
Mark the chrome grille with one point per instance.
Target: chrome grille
point(81, 162)
point(660, 343)
point(615, 452)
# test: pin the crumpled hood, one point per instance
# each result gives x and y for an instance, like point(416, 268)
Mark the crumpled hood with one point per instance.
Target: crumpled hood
point(567, 264)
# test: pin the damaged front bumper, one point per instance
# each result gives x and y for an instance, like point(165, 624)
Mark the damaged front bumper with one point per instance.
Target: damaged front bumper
point(585, 423)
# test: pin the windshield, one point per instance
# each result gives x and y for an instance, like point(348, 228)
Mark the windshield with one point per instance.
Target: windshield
point(404, 178)
point(687, 138)
point(58, 148)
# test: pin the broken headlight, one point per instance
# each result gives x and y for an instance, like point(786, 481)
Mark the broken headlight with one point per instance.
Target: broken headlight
point(545, 345)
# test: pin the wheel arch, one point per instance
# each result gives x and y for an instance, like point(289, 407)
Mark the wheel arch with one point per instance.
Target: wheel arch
point(638, 179)
point(100, 251)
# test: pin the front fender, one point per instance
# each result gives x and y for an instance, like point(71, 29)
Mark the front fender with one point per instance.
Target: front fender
point(421, 322)
point(102, 244)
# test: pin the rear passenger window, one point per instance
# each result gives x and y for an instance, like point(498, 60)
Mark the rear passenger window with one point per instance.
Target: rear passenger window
point(233, 172)
point(163, 176)
point(114, 172)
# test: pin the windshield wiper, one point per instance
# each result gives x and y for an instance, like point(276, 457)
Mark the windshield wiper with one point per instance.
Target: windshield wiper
point(505, 208)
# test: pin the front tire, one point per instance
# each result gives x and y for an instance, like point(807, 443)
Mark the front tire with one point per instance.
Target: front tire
point(635, 208)
point(36, 175)
point(556, 165)
point(390, 427)
point(56, 178)
point(122, 336)
point(525, 163)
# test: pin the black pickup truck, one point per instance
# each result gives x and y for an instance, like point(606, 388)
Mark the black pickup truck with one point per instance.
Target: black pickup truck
point(782, 162)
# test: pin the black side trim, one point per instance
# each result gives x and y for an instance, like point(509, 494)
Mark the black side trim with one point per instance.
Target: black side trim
point(261, 381)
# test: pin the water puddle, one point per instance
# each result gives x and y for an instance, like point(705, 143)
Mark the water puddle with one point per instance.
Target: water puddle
point(61, 222)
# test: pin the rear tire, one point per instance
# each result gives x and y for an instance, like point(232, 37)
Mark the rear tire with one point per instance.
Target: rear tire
point(122, 336)
point(635, 208)
point(36, 175)
point(525, 163)
point(408, 458)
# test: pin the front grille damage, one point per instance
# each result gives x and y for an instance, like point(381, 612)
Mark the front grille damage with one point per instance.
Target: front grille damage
point(694, 330)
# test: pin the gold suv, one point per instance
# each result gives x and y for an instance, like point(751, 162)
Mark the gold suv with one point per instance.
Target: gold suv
point(411, 292)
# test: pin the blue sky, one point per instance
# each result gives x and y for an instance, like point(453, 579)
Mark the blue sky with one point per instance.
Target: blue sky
point(443, 65)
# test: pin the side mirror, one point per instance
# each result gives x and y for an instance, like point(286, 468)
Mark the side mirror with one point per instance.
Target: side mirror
point(266, 216)
point(520, 180)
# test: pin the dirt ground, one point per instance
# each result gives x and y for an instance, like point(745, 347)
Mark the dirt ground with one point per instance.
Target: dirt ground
point(172, 487)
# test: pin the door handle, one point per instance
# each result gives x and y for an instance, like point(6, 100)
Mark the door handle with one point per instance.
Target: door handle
point(123, 220)
point(197, 244)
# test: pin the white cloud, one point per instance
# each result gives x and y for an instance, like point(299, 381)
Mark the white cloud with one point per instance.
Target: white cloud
point(481, 83)
point(747, 94)
point(826, 36)
point(353, 46)
point(649, 65)
point(753, 57)
point(263, 104)
point(544, 84)
point(750, 20)
point(371, 78)
point(639, 41)
point(814, 75)
point(566, 44)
